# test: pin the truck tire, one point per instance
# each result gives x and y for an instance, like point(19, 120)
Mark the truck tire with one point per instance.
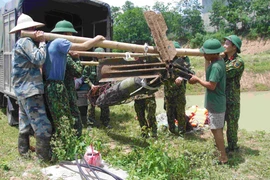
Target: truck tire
point(13, 116)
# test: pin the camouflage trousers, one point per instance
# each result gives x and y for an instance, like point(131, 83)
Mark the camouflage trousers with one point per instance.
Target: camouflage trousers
point(75, 112)
point(58, 104)
point(104, 114)
point(32, 115)
point(232, 117)
point(175, 109)
point(143, 106)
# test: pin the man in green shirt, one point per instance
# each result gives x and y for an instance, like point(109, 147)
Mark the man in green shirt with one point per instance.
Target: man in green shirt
point(215, 98)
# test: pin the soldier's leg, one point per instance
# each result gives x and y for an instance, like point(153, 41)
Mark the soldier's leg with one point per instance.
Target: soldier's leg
point(48, 113)
point(232, 118)
point(91, 116)
point(170, 111)
point(57, 99)
point(24, 129)
point(75, 112)
point(151, 114)
point(41, 125)
point(181, 113)
point(105, 116)
point(139, 106)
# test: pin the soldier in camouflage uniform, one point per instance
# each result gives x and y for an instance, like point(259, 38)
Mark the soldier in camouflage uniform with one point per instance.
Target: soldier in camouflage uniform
point(54, 70)
point(145, 108)
point(28, 87)
point(90, 77)
point(73, 69)
point(234, 70)
point(175, 100)
point(146, 104)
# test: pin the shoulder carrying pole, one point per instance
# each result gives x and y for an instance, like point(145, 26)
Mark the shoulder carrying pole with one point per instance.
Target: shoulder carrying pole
point(113, 44)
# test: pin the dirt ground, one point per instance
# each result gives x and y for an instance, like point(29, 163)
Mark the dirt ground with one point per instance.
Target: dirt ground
point(255, 46)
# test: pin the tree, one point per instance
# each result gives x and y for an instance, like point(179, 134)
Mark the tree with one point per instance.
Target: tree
point(131, 27)
point(192, 20)
point(128, 6)
point(238, 15)
point(172, 18)
point(216, 14)
point(261, 16)
point(115, 11)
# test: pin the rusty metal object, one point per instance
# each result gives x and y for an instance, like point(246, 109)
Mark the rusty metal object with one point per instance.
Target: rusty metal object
point(158, 28)
point(119, 69)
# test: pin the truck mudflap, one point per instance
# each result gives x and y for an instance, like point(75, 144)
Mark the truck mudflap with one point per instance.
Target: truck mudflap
point(12, 111)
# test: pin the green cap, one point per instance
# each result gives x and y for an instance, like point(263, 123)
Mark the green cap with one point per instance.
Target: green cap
point(64, 26)
point(236, 41)
point(99, 49)
point(212, 46)
point(176, 44)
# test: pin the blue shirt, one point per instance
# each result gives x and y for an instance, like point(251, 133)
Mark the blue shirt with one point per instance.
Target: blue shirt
point(55, 65)
point(26, 77)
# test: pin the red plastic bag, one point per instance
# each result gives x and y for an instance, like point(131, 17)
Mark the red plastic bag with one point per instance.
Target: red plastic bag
point(92, 157)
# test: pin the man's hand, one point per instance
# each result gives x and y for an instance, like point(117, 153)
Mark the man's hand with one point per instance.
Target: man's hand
point(178, 81)
point(92, 92)
point(74, 54)
point(39, 36)
point(99, 38)
point(193, 80)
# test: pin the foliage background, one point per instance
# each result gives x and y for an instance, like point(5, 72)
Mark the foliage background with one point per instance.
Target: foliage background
point(250, 19)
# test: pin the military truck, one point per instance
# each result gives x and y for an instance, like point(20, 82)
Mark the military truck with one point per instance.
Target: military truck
point(89, 17)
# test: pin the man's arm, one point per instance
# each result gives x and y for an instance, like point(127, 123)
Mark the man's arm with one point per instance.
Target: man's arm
point(87, 44)
point(74, 68)
point(207, 84)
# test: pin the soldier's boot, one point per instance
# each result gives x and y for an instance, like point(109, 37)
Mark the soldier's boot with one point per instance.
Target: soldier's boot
point(23, 144)
point(78, 126)
point(144, 132)
point(43, 148)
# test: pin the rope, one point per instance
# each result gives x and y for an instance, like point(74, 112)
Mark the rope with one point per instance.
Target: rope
point(93, 96)
point(83, 164)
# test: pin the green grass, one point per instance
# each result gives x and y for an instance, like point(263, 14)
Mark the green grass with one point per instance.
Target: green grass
point(257, 65)
point(168, 157)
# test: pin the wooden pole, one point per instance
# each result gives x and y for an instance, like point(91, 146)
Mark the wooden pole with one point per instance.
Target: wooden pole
point(109, 54)
point(113, 44)
point(89, 63)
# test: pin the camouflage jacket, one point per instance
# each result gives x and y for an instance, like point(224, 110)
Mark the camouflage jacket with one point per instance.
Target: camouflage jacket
point(27, 59)
point(173, 90)
point(234, 70)
point(73, 69)
point(90, 75)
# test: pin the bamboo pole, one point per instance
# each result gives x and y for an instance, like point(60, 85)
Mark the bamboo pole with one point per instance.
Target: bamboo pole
point(109, 54)
point(113, 44)
point(89, 63)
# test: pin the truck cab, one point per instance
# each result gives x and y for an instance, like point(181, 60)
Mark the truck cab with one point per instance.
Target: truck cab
point(89, 17)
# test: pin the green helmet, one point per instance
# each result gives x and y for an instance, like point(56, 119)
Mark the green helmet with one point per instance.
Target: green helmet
point(64, 27)
point(99, 49)
point(176, 44)
point(236, 41)
point(212, 46)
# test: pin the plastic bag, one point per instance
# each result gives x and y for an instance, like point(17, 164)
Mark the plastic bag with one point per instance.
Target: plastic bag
point(92, 157)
